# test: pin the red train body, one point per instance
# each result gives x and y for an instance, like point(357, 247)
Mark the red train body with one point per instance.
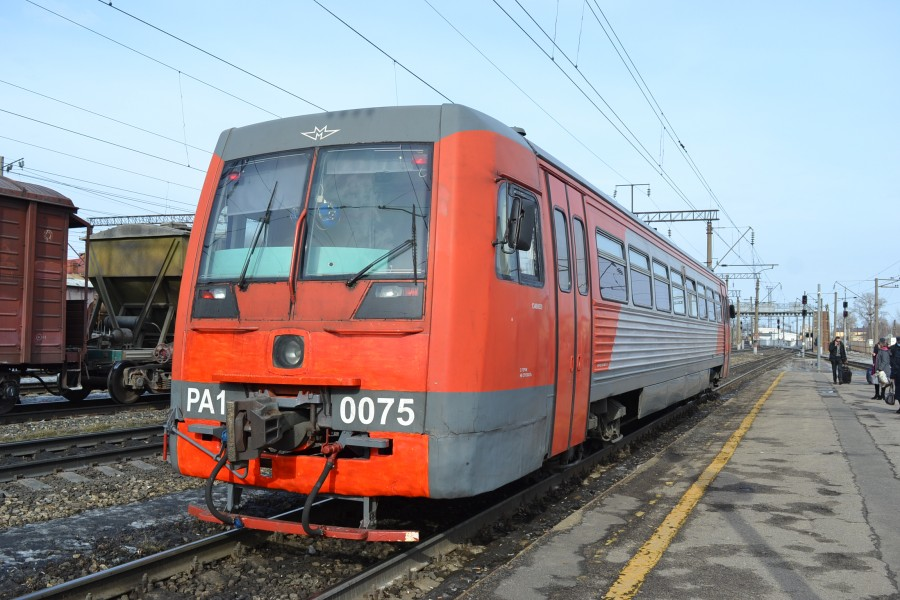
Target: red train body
point(417, 301)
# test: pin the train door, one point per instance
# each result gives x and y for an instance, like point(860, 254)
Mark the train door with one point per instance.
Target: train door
point(572, 317)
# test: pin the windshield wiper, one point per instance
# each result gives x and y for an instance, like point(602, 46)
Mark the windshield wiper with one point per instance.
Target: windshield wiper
point(362, 272)
point(242, 280)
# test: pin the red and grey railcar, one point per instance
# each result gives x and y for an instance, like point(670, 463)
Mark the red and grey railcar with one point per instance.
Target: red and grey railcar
point(418, 301)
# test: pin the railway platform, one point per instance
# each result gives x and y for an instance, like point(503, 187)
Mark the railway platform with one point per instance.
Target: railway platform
point(789, 490)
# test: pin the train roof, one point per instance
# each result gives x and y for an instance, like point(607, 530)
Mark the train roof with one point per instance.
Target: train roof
point(358, 126)
point(425, 123)
point(38, 193)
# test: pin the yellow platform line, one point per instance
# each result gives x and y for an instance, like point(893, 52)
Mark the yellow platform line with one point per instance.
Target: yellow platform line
point(632, 576)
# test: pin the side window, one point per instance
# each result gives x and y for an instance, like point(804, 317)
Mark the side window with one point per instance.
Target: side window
point(692, 297)
point(580, 256)
point(521, 266)
point(561, 233)
point(711, 303)
point(661, 286)
point(717, 301)
point(611, 260)
point(640, 278)
point(678, 300)
point(701, 301)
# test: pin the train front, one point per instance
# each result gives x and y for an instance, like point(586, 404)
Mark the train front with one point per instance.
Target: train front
point(303, 337)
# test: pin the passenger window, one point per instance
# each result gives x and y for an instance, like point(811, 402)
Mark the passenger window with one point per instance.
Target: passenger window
point(692, 297)
point(611, 261)
point(521, 266)
point(561, 233)
point(678, 299)
point(710, 302)
point(701, 301)
point(717, 301)
point(640, 278)
point(661, 286)
point(580, 256)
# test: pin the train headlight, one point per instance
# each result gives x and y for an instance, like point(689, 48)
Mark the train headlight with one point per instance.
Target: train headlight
point(287, 353)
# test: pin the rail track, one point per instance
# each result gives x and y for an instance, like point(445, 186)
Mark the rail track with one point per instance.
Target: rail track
point(62, 409)
point(138, 575)
point(45, 456)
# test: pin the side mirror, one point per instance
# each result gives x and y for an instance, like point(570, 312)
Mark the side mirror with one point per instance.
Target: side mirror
point(731, 311)
point(520, 226)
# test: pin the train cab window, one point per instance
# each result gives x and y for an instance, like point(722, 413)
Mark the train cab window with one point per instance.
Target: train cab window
point(701, 302)
point(561, 234)
point(368, 213)
point(580, 256)
point(678, 298)
point(254, 218)
point(611, 260)
point(691, 287)
point(640, 278)
point(661, 286)
point(524, 265)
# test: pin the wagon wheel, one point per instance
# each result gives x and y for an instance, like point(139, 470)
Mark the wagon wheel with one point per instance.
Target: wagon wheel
point(115, 383)
point(6, 404)
point(9, 395)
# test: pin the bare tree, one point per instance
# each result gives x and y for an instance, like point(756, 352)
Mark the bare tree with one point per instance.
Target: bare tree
point(864, 310)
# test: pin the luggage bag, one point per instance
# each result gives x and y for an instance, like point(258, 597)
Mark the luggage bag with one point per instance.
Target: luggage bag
point(846, 374)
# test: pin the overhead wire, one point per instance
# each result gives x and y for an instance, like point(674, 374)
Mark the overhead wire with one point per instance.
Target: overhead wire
point(210, 54)
point(98, 163)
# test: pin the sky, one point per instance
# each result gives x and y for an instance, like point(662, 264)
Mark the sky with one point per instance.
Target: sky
point(781, 116)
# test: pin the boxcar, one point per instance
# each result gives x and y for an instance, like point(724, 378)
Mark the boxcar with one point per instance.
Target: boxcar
point(418, 301)
point(41, 332)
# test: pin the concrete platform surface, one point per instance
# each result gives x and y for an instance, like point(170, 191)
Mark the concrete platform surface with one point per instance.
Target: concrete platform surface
point(789, 490)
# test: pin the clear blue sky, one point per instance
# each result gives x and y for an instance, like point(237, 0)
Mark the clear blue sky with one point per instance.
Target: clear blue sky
point(787, 110)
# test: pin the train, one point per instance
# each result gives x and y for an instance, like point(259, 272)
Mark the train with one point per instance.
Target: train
point(418, 302)
point(114, 333)
point(41, 327)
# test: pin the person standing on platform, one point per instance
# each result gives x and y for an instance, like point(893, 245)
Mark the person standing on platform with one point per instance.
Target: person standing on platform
point(837, 354)
point(895, 366)
point(882, 363)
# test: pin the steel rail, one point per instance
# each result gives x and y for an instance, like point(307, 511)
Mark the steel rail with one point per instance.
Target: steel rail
point(151, 435)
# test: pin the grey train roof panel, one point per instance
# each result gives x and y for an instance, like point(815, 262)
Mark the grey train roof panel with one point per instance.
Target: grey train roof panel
point(359, 126)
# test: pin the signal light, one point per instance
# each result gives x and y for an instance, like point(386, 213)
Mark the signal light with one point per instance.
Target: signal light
point(846, 314)
point(804, 298)
point(845, 304)
point(804, 312)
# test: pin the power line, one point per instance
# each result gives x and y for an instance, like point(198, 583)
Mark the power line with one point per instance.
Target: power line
point(108, 118)
point(157, 61)
point(99, 163)
point(96, 139)
point(523, 92)
point(211, 55)
point(377, 47)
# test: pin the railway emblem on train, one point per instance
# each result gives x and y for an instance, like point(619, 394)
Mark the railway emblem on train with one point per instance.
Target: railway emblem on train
point(319, 133)
point(48, 235)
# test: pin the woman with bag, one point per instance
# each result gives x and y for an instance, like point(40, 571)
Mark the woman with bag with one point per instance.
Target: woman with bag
point(882, 368)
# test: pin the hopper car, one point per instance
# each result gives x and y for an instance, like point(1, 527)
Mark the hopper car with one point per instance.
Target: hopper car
point(135, 270)
point(418, 302)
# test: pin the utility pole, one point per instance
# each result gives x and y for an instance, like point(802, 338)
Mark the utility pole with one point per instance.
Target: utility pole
point(818, 339)
point(756, 320)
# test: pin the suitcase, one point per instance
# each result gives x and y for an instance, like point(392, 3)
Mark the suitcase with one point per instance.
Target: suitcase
point(846, 374)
